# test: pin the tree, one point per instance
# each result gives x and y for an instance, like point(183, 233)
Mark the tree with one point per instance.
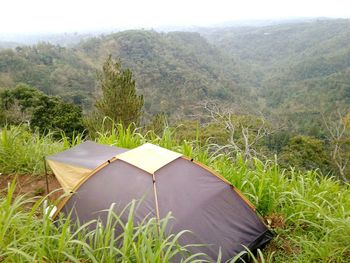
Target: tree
point(119, 99)
point(53, 114)
point(40, 111)
point(246, 133)
point(17, 104)
point(305, 153)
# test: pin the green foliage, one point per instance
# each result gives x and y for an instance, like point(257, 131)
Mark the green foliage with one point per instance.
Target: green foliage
point(315, 210)
point(25, 95)
point(188, 130)
point(339, 143)
point(23, 152)
point(55, 115)
point(42, 112)
point(94, 124)
point(158, 123)
point(300, 69)
point(17, 104)
point(289, 70)
point(119, 100)
point(182, 67)
point(53, 69)
point(306, 153)
point(276, 141)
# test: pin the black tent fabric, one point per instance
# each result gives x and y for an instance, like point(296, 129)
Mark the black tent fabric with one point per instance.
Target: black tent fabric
point(215, 212)
point(87, 155)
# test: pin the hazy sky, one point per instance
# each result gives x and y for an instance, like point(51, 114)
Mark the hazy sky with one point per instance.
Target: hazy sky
point(20, 16)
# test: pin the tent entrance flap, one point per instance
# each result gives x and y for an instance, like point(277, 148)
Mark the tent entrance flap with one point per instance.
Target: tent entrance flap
point(73, 165)
point(68, 175)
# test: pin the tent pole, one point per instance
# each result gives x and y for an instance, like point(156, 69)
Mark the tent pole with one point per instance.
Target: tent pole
point(156, 201)
point(46, 177)
point(157, 209)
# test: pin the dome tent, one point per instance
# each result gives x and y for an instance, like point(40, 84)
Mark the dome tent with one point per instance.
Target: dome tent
point(200, 200)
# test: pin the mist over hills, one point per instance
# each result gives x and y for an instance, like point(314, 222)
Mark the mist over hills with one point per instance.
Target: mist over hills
point(295, 70)
point(69, 38)
point(62, 39)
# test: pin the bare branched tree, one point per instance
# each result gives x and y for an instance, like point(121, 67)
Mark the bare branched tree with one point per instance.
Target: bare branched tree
point(249, 136)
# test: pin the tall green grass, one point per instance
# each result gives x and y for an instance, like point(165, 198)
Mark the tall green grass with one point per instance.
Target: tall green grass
point(22, 151)
point(315, 208)
point(30, 236)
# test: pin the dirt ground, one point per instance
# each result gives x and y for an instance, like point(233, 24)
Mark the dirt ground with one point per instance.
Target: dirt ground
point(32, 185)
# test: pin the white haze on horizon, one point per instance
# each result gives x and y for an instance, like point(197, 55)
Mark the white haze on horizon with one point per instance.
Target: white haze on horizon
point(53, 16)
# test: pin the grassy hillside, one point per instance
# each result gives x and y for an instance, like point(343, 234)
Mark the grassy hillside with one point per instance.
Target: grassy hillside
point(309, 212)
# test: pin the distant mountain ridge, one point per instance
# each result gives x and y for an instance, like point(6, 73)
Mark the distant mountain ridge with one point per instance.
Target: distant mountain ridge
point(303, 67)
point(175, 71)
point(295, 70)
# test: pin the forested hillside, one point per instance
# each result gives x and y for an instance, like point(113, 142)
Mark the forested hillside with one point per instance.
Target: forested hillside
point(174, 71)
point(302, 68)
point(297, 75)
point(52, 69)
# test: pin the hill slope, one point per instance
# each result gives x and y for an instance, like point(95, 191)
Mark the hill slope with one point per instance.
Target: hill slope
point(301, 68)
point(174, 71)
point(291, 70)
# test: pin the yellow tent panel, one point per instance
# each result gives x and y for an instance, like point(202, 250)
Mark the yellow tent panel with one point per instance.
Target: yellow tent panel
point(72, 166)
point(149, 157)
point(67, 175)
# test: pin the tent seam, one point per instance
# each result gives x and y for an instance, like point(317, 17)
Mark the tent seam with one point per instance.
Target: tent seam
point(156, 201)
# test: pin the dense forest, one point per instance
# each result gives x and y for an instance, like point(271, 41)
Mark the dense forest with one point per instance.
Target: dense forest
point(270, 68)
point(174, 71)
point(302, 69)
point(277, 89)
